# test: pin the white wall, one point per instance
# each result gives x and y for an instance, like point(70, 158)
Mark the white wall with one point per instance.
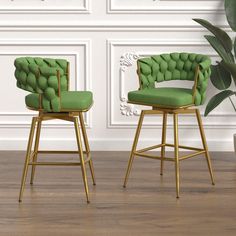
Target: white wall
point(93, 35)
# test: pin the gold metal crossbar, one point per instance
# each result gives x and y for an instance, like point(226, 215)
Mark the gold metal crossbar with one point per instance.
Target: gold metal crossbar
point(59, 152)
point(185, 147)
point(141, 153)
point(192, 155)
point(150, 148)
point(176, 159)
point(32, 155)
point(168, 145)
point(153, 156)
point(55, 163)
point(87, 159)
point(168, 158)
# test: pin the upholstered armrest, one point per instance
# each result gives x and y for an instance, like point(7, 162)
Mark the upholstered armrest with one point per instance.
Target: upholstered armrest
point(202, 74)
point(176, 66)
point(205, 64)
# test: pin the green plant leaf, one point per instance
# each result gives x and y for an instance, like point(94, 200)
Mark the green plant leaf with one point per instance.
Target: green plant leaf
point(217, 100)
point(220, 77)
point(230, 11)
point(220, 34)
point(216, 44)
point(235, 48)
point(231, 67)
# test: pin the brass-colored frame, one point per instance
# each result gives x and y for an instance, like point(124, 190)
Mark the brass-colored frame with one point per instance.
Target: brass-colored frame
point(143, 152)
point(196, 77)
point(31, 158)
point(175, 111)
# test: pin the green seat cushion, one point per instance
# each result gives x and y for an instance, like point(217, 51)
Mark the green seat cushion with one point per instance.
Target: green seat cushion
point(170, 97)
point(70, 100)
point(76, 100)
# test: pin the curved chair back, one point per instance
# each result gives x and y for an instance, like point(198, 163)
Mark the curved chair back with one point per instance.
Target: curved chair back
point(176, 66)
point(44, 76)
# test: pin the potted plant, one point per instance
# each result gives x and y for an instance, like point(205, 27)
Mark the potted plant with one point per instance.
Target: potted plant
point(224, 72)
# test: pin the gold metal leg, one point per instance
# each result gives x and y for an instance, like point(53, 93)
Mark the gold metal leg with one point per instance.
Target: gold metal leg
point(80, 149)
point(163, 140)
point(205, 145)
point(176, 146)
point(27, 158)
point(87, 146)
point(36, 147)
point(131, 158)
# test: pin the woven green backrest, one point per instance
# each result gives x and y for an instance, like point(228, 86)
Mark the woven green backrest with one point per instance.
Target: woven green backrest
point(175, 66)
point(39, 75)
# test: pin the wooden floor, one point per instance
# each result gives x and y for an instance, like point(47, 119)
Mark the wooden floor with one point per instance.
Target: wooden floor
point(56, 204)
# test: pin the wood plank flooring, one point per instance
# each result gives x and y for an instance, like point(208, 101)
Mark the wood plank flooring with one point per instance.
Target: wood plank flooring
point(56, 203)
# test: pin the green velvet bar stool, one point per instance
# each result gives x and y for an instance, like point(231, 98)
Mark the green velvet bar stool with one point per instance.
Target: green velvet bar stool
point(47, 80)
point(171, 100)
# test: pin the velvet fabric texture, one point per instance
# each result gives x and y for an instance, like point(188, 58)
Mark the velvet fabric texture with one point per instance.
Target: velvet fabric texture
point(40, 76)
point(165, 67)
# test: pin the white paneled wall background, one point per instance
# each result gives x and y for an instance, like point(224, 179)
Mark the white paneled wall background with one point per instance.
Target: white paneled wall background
point(102, 40)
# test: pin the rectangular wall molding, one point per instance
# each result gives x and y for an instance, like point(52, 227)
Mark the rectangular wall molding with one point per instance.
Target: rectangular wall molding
point(164, 6)
point(106, 27)
point(115, 49)
point(79, 54)
point(93, 35)
point(45, 6)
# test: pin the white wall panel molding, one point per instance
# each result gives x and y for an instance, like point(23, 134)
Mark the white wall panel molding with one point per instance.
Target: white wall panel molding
point(105, 37)
point(45, 6)
point(126, 60)
point(118, 62)
point(105, 27)
point(164, 6)
point(14, 113)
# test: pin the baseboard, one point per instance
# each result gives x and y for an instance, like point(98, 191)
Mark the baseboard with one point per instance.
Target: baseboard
point(106, 144)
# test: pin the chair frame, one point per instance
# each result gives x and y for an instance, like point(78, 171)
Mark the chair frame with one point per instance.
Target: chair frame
point(31, 158)
point(175, 111)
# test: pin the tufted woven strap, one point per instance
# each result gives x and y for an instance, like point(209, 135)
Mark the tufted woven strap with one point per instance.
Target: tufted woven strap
point(39, 75)
point(175, 66)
